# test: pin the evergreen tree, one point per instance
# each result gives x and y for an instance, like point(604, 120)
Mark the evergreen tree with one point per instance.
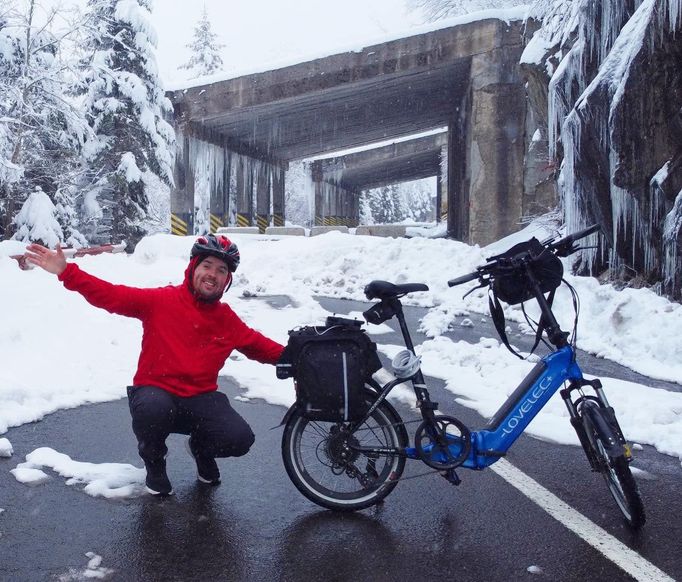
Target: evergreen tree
point(384, 204)
point(418, 198)
point(41, 131)
point(299, 194)
point(125, 107)
point(10, 67)
point(398, 202)
point(37, 221)
point(205, 59)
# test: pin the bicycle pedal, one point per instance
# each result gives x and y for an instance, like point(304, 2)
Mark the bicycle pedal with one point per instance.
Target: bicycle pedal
point(452, 477)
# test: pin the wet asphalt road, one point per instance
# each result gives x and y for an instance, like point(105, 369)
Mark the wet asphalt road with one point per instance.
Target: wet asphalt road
point(256, 526)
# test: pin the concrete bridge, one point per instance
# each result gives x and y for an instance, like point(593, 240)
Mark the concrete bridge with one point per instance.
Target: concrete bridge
point(237, 136)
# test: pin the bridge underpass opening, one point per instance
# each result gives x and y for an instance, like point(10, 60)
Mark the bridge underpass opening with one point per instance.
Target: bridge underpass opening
point(391, 166)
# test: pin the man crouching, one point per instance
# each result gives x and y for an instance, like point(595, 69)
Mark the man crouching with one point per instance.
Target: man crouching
point(188, 333)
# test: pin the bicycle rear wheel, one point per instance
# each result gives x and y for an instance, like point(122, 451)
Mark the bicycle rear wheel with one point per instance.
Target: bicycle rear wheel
point(321, 463)
point(615, 469)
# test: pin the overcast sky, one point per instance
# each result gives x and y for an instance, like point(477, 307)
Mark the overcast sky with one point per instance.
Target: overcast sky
point(257, 32)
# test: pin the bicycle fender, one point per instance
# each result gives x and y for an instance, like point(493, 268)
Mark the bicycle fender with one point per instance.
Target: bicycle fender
point(595, 415)
point(293, 408)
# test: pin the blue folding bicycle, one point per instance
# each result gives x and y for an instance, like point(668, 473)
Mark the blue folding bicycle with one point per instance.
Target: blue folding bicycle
point(353, 465)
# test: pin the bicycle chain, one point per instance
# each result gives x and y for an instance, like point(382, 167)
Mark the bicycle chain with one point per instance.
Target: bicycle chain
point(403, 423)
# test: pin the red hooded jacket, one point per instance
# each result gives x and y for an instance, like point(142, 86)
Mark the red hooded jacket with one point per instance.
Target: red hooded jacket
point(185, 341)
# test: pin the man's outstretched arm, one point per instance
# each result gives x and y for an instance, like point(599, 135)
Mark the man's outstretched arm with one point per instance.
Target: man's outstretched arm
point(120, 299)
point(52, 261)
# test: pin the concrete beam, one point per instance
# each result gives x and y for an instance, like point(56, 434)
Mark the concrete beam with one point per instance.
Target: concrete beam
point(391, 89)
point(398, 162)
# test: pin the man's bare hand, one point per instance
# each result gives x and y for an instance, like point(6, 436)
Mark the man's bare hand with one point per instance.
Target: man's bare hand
point(51, 261)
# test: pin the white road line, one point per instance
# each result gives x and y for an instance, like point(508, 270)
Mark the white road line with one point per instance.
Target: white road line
point(601, 540)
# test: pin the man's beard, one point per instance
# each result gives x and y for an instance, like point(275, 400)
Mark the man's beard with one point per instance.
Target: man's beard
point(208, 298)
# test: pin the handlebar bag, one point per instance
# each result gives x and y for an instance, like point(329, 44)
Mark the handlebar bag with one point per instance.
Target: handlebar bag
point(330, 365)
point(513, 286)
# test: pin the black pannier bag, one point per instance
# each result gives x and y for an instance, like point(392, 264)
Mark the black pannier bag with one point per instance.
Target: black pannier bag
point(330, 365)
point(514, 288)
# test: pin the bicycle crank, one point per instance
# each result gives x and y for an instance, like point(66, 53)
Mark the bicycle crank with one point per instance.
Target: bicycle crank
point(443, 443)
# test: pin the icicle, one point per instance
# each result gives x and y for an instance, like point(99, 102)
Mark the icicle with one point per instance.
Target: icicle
point(613, 19)
point(675, 14)
point(672, 263)
point(207, 163)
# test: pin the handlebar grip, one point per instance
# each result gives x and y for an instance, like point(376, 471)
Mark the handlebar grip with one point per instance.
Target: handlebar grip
point(571, 238)
point(565, 244)
point(463, 279)
point(585, 232)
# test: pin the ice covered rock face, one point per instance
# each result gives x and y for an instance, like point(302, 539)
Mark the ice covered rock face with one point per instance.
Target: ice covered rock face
point(605, 83)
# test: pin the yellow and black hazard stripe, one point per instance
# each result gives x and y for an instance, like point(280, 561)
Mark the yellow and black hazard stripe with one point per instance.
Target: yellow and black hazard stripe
point(243, 220)
point(278, 220)
point(178, 226)
point(216, 223)
point(262, 220)
point(318, 221)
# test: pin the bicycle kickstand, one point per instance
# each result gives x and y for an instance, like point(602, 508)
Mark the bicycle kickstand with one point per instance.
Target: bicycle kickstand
point(451, 476)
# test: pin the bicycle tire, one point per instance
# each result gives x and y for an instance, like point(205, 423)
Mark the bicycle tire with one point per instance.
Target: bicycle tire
point(616, 472)
point(310, 454)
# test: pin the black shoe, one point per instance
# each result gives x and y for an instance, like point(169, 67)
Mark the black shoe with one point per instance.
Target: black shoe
point(207, 468)
point(157, 482)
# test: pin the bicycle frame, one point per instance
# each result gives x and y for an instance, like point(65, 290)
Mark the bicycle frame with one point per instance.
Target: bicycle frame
point(514, 415)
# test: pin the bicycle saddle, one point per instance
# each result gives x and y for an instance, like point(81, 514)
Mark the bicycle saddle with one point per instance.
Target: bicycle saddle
point(386, 290)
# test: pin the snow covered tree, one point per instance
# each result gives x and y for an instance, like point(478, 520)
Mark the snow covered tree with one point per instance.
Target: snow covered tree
point(412, 200)
point(125, 106)
point(433, 10)
point(385, 204)
point(37, 221)
point(419, 199)
point(10, 172)
point(299, 194)
point(41, 130)
point(205, 59)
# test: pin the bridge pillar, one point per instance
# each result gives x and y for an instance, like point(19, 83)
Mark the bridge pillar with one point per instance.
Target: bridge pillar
point(333, 195)
point(244, 192)
point(334, 205)
point(278, 196)
point(262, 174)
point(456, 178)
point(318, 209)
point(182, 193)
point(442, 187)
point(220, 195)
point(495, 146)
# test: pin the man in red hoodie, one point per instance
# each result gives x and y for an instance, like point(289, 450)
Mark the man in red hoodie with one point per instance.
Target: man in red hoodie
point(188, 333)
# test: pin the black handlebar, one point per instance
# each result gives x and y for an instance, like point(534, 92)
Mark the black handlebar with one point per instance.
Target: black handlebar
point(562, 248)
point(463, 279)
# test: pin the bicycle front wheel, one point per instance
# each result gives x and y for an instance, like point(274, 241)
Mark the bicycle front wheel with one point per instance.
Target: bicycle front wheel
point(321, 463)
point(616, 473)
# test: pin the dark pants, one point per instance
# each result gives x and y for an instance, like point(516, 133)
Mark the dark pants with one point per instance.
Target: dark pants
point(215, 428)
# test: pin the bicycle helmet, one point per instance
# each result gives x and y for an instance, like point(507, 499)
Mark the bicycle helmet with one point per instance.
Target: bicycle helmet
point(217, 246)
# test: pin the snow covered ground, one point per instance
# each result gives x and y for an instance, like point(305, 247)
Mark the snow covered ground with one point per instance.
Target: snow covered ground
point(59, 352)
